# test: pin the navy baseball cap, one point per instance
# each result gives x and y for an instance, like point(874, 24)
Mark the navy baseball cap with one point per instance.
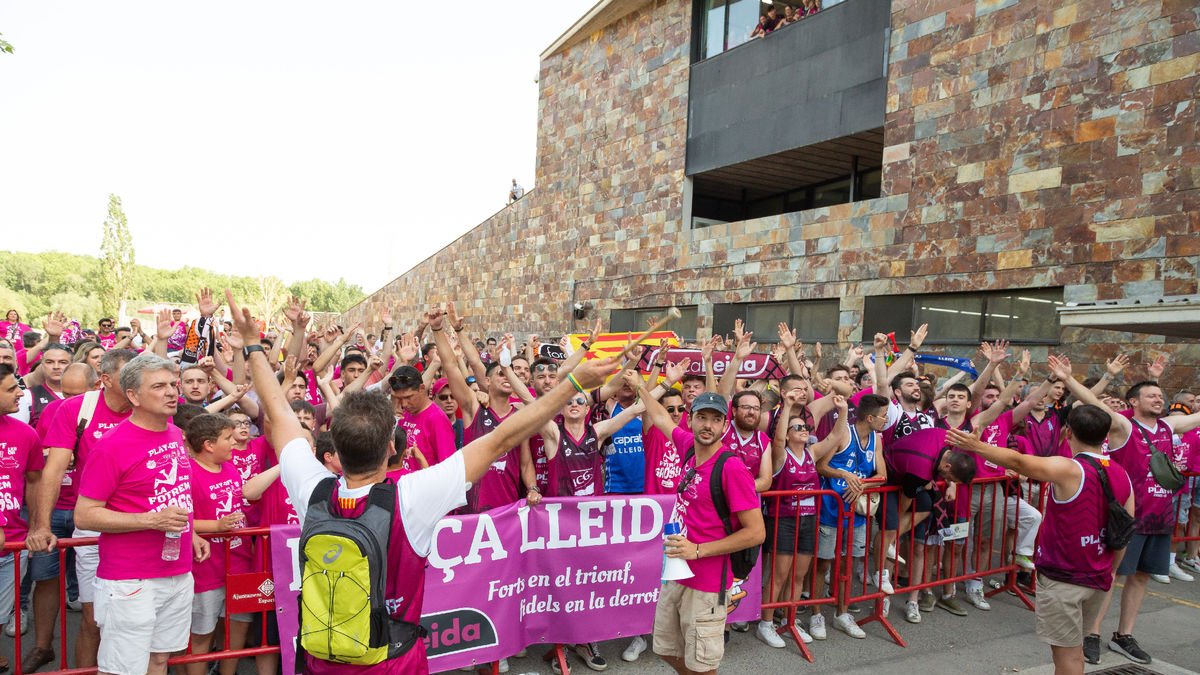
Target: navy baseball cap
point(711, 401)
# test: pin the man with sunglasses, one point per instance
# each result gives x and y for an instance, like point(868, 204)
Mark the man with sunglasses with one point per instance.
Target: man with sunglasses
point(106, 336)
point(426, 424)
point(689, 622)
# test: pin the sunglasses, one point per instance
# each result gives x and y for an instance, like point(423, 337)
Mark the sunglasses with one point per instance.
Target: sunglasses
point(676, 408)
point(545, 367)
point(578, 400)
point(798, 427)
point(687, 480)
point(445, 397)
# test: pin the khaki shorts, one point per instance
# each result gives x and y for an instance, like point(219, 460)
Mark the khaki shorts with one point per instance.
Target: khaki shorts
point(689, 624)
point(1064, 610)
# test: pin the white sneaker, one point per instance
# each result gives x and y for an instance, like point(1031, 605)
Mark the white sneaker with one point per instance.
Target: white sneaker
point(912, 612)
point(767, 633)
point(75, 605)
point(846, 624)
point(886, 607)
point(976, 598)
point(1160, 578)
point(892, 555)
point(816, 626)
point(1176, 572)
point(503, 665)
point(10, 629)
point(883, 579)
point(1192, 564)
point(636, 646)
point(804, 636)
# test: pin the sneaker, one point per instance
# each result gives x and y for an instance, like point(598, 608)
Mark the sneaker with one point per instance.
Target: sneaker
point(1161, 578)
point(766, 632)
point(740, 626)
point(1091, 648)
point(1024, 562)
point(1176, 573)
point(74, 605)
point(590, 653)
point(883, 579)
point(10, 629)
point(892, 555)
point(816, 626)
point(847, 624)
point(912, 612)
point(636, 646)
point(926, 601)
point(976, 598)
point(1026, 583)
point(1191, 564)
point(557, 669)
point(804, 636)
point(952, 605)
point(885, 607)
point(1128, 646)
point(502, 666)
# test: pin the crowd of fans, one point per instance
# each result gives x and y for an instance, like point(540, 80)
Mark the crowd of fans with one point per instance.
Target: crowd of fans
point(148, 439)
point(771, 20)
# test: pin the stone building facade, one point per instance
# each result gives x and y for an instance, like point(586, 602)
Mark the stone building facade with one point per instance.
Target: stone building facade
point(1026, 145)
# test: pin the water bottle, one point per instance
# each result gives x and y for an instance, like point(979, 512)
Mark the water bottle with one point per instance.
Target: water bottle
point(674, 569)
point(171, 544)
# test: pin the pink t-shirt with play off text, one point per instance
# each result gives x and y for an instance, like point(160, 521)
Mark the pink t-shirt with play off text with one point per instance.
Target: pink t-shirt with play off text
point(694, 508)
point(216, 494)
point(136, 470)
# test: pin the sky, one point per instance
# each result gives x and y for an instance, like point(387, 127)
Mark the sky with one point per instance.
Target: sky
point(295, 139)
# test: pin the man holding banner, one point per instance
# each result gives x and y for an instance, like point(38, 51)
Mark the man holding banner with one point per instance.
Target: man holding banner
point(362, 432)
point(689, 622)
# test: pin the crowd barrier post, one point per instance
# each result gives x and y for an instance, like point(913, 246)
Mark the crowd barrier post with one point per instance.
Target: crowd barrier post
point(874, 599)
point(794, 600)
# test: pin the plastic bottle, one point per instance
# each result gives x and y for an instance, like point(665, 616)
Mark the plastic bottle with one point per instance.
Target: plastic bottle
point(674, 569)
point(171, 546)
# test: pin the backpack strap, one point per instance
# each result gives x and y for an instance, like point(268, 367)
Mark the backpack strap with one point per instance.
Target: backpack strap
point(717, 489)
point(1102, 475)
point(87, 410)
point(322, 493)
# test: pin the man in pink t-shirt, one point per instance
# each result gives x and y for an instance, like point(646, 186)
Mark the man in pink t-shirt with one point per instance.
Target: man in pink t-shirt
point(136, 491)
point(689, 622)
point(427, 426)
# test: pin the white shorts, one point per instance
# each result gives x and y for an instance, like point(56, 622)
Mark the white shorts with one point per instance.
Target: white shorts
point(207, 608)
point(87, 559)
point(139, 617)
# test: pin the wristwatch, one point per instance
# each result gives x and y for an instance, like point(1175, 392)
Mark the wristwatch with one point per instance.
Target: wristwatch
point(250, 349)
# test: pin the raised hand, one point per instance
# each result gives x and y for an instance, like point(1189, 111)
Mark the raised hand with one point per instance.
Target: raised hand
point(456, 322)
point(234, 339)
point(239, 392)
point(162, 324)
point(706, 349)
point(386, 317)
point(674, 372)
point(535, 346)
point(817, 350)
point(840, 403)
point(1023, 366)
point(919, 335)
point(435, 317)
point(593, 373)
point(374, 363)
point(1060, 366)
point(294, 311)
point(409, 349)
point(880, 343)
point(55, 324)
point(331, 333)
point(595, 334)
point(291, 368)
point(1156, 369)
point(207, 364)
point(787, 337)
point(739, 329)
point(854, 354)
point(744, 346)
point(632, 378)
point(999, 352)
point(1116, 365)
point(205, 303)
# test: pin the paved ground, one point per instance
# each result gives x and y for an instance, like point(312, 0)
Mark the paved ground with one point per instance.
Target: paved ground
point(999, 641)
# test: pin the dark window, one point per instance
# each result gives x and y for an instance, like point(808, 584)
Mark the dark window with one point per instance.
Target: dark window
point(1022, 316)
point(638, 320)
point(814, 320)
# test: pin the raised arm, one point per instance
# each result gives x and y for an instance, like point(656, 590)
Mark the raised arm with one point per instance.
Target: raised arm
point(787, 338)
point(458, 382)
point(254, 488)
point(1120, 427)
point(1057, 470)
point(162, 332)
point(1112, 370)
point(706, 353)
point(285, 427)
point(457, 324)
point(655, 411)
point(882, 381)
point(744, 348)
point(910, 352)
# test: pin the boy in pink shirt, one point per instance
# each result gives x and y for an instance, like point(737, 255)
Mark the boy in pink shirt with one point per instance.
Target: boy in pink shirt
point(136, 491)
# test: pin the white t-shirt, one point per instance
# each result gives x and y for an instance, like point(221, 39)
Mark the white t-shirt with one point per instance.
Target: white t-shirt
point(424, 497)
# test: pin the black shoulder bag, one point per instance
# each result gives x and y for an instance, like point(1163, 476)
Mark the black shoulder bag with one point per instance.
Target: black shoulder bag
point(1119, 530)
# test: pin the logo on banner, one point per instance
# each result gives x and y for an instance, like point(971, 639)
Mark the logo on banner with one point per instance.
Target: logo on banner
point(267, 588)
point(458, 630)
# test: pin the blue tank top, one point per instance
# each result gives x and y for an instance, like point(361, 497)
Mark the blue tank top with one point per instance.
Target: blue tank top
point(625, 459)
point(855, 459)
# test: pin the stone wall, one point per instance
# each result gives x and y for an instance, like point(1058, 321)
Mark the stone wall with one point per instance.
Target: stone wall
point(1028, 144)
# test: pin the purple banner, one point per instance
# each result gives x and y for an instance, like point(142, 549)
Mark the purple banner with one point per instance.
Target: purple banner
point(754, 367)
point(568, 571)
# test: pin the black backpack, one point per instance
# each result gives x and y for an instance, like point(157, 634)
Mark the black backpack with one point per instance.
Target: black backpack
point(1119, 530)
point(741, 562)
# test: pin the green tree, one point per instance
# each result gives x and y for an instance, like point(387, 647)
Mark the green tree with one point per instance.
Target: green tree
point(116, 271)
point(5, 46)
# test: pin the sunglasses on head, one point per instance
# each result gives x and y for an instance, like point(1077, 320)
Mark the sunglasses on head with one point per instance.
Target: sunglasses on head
point(676, 408)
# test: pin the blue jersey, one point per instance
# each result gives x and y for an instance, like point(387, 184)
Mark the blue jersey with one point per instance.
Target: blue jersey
point(855, 459)
point(625, 460)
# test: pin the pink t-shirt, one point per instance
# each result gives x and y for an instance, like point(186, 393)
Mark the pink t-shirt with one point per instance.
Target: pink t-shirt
point(995, 434)
point(275, 507)
point(61, 434)
point(431, 432)
point(696, 511)
point(1192, 439)
point(215, 495)
point(47, 416)
point(20, 451)
point(1154, 510)
point(135, 470)
point(664, 463)
point(752, 450)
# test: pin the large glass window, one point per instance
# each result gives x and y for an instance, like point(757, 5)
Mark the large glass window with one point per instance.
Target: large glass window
point(813, 320)
point(1023, 316)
